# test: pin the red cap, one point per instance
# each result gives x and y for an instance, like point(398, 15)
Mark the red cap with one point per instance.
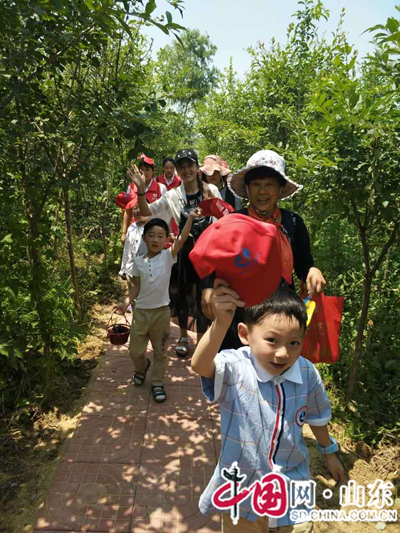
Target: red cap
point(148, 160)
point(125, 200)
point(215, 207)
point(244, 252)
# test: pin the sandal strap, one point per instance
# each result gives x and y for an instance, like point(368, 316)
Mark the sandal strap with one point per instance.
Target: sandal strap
point(158, 392)
point(183, 339)
point(140, 376)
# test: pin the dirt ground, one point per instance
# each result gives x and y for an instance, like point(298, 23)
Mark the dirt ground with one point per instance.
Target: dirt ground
point(362, 465)
point(29, 455)
point(30, 452)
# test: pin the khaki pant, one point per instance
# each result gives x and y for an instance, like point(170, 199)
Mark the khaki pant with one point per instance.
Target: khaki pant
point(153, 325)
point(261, 526)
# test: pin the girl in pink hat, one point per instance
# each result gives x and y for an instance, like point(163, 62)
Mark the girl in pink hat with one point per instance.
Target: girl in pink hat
point(216, 171)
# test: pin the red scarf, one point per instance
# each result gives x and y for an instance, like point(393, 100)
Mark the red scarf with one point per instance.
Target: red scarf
point(176, 181)
point(286, 250)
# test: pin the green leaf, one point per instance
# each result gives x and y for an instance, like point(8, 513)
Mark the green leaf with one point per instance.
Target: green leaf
point(169, 17)
point(392, 24)
point(150, 7)
point(8, 239)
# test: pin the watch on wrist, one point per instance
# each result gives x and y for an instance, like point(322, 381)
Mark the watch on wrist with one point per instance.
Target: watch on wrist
point(333, 448)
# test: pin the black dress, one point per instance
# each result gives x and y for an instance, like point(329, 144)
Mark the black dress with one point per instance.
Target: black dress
point(186, 287)
point(228, 196)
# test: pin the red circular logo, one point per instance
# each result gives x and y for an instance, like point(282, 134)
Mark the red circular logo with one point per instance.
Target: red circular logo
point(301, 416)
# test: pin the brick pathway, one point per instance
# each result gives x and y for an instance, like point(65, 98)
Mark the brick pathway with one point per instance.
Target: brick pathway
point(134, 466)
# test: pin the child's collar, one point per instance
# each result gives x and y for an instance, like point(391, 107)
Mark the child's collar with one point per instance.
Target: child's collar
point(291, 374)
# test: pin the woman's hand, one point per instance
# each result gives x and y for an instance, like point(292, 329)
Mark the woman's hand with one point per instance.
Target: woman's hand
point(137, 177)
point(315, 281)
point(123, 237)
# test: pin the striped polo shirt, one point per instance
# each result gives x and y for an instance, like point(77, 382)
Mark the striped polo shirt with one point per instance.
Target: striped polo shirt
point(261, 422)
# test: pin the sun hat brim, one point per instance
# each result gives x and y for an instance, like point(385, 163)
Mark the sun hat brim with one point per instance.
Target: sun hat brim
point(209, 170)
point(236, 183)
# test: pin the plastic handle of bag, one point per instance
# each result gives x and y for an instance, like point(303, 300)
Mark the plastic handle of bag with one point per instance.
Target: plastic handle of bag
point(310, 308)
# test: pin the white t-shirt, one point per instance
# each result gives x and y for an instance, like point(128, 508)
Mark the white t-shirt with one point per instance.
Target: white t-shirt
point(155, 275)
point(171, 203)
point(134, 245)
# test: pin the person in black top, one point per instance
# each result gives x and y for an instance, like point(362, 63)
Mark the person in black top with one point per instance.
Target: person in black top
point(263, 182)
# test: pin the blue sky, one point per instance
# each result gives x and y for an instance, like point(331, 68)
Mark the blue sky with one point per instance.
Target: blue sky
point(234, 25)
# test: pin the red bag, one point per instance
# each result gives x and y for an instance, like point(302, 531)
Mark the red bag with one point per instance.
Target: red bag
point(321, 343)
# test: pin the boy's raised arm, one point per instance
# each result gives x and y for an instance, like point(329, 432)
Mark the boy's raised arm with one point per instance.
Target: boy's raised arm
point(225, 301)
point(180, 241)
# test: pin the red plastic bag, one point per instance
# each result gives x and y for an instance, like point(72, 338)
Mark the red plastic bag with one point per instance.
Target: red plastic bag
point(321, 343)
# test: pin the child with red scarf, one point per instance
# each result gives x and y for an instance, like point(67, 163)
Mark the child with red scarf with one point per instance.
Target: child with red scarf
point(170, 180)
point(133, 223)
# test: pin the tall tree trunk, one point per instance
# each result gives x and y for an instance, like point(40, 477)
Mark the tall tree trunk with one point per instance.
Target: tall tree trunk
point(71, 250)
point(360, 337)
point(36, 290)
point(104, 238)
point(36, 284)
point(369, 276)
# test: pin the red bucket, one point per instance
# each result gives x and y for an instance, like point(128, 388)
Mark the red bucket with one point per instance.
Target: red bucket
point(118, 333)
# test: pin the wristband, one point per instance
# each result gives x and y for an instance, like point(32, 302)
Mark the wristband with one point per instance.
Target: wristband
point(333, 448)
point(141, 193)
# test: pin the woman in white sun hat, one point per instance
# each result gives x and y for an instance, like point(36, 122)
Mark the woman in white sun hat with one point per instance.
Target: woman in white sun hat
point(263, 183)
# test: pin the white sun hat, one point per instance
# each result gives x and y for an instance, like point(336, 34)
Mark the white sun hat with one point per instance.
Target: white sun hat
point(268, 159)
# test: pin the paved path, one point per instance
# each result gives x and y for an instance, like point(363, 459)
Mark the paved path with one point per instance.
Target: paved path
point(134, 466)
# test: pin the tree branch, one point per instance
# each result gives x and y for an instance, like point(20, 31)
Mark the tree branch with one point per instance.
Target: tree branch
point(386, 247)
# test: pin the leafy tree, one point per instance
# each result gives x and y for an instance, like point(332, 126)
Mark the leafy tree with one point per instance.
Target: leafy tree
point(357, 156)
point(71, 89)
point(185, 69)
point(311, 101)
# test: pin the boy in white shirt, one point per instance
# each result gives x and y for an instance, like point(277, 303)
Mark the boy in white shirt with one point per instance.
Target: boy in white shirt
point(149, 284)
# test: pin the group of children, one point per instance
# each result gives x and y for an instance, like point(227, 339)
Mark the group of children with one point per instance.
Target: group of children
point(265, 388)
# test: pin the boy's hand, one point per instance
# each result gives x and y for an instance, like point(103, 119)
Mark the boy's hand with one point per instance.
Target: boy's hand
point(137, 177)
point(120, 308)
point(206, 303)
point(335, 467)
point(225, 301)
point(195, 213)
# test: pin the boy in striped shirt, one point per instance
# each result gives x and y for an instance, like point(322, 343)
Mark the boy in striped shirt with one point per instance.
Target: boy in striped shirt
point(266, 392)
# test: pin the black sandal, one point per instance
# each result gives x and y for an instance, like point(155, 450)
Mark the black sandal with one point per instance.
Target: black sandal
point(139, 377)
point(158, 393)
